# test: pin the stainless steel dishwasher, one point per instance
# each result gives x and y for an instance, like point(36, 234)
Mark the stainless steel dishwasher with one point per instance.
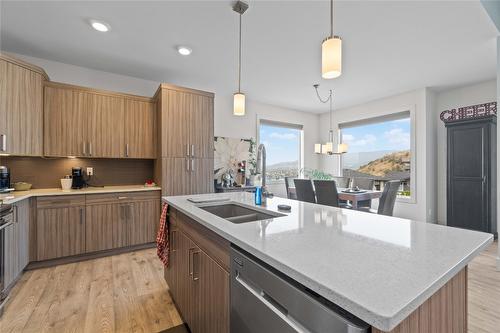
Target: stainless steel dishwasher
point(265, 301)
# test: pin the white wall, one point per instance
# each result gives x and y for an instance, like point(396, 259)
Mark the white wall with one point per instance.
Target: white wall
point(225, 123)
point(482, 92)
point(418, 102)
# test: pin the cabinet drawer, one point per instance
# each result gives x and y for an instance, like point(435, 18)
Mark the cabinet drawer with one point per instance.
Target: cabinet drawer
point(57, 201)
point(121, 197)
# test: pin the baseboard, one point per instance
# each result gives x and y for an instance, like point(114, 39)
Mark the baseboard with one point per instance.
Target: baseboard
point(87, 256)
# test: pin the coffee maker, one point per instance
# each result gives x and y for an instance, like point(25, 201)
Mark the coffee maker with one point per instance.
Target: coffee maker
point(4, 178)
point(77, 176)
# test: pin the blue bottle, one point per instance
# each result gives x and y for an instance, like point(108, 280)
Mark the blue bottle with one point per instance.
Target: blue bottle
point(258, 195)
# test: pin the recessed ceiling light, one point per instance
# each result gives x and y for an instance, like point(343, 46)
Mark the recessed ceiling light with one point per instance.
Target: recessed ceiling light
point(184, 50)
point(100, 26)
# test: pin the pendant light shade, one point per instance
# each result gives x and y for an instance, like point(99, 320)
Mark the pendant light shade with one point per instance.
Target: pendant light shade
point(331, 53)
point(331, 58)
point(239, 98)
point(239, 104)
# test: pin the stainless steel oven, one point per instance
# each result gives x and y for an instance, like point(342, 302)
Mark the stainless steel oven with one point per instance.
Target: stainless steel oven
point(6, 221)
point(265, 301)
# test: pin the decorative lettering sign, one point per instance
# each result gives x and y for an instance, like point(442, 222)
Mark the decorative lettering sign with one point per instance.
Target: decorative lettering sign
point(469, 112)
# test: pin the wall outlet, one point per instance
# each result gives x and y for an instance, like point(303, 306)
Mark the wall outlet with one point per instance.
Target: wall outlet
point(90, 171)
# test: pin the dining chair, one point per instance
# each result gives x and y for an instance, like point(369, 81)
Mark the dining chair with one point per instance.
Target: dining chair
point(387, 200)
point(327, 194)
point(364, 184)
point(288, 182)
point(304, 190)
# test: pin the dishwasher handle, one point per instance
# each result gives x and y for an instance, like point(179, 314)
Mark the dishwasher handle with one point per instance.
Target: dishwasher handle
point(274, 306)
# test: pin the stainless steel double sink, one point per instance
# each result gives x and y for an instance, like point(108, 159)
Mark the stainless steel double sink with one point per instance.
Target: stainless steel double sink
point(239, 214)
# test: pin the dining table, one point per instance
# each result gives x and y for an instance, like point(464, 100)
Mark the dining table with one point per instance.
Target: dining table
point(354, 197)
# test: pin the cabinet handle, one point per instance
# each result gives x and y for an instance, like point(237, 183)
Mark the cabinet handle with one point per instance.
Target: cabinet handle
point(196, 273)
point(187, 150)
point(81, 215)
point(16, 220)
point(126, 150)
point(90, 148)
point(187, 164)
point(122, 198)
point(3, 139)
point(189, 262)
point(192, 165)
point(84, 148)
point(173, 241)
point(192, 150)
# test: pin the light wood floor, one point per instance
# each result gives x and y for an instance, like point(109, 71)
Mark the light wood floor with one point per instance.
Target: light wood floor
point(122, 293)
point(127, 293)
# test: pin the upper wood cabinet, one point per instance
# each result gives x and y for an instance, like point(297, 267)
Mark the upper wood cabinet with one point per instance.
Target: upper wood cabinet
point(91, 123)
point(21, 114)
point(187, 122)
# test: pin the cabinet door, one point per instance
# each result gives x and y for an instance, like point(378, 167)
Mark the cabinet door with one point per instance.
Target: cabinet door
point(172, 271)
point(201, 126)
point(202, 176)
point(101, 223)
point(183, 298)
point(21, 110)
point(105, 126)
point(176, 176)
point(11, 254)
point(65, 123)
point(210, 298)
point(22, 217)
point(60, 232)
point(175, 123)
point(140, 129)
point(143, 221)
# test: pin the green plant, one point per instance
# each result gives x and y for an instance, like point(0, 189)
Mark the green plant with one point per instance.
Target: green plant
point(316, 174)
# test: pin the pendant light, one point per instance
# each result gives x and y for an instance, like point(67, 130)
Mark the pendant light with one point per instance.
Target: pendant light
point(239, 98)
point(327, 147)
point(331, 53)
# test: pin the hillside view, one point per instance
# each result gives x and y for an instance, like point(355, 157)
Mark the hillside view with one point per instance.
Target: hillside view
point(397, 161)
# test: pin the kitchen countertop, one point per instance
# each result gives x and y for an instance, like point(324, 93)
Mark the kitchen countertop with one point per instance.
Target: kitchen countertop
point(378, 268)
point(16, 196)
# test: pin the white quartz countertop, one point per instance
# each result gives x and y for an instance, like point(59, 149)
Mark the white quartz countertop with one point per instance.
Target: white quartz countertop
point(16, 196)
point(376, 267)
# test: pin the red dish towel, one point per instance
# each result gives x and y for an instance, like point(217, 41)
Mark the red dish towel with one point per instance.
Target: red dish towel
point(162, 241)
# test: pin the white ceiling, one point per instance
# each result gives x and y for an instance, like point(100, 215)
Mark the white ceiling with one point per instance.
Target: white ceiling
point(389, 47)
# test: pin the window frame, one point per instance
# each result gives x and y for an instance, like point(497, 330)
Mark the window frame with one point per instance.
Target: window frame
point(299, 127)
point(395, 115)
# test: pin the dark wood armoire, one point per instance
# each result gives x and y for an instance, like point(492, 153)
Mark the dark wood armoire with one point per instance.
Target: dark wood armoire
point(471, 173)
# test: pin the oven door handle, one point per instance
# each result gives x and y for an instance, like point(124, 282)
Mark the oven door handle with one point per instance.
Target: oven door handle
point(6, 225)
point(269, 303)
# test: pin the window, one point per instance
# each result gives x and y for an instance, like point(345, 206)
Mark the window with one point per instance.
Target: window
point(380, 149)
point(283, 144)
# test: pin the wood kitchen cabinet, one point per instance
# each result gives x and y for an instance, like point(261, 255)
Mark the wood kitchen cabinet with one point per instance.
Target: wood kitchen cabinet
point(198, 276)
point(60, 226)
point(21, 107)
point(186, 121)
point(93, 123)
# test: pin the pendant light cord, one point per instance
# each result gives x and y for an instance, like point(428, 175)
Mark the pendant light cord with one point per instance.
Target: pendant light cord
point(328, 99)
point(239, 60)
point(331, 18)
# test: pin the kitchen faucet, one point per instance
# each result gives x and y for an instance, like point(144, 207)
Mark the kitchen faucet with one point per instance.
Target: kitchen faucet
point(261, 169)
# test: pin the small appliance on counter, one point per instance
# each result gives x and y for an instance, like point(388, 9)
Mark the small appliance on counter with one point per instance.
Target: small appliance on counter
point(5, 180)
point(77, 177)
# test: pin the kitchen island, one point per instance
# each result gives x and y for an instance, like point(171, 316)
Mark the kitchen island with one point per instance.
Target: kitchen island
point(396, 275)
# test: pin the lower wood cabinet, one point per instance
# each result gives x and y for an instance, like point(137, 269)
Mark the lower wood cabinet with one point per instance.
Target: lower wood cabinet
point(78, 224)
point(60, 230)
point(198, 283)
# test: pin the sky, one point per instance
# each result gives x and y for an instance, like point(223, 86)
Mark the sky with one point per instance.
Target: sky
point(388, 135)
point(282, 144)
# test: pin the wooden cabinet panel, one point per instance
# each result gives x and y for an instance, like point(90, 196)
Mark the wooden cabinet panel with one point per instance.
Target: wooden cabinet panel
point(105, 126)
point(64, 122)
point(22, 218)
point(100, 226)
point(21, 109)
point(60, 232)
point(202, 176)
point(182, 289)
point(175, 123)
point(202, 126)
point(143, 221)
point(176, 177)
point(11, 260)
point(140, 129)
